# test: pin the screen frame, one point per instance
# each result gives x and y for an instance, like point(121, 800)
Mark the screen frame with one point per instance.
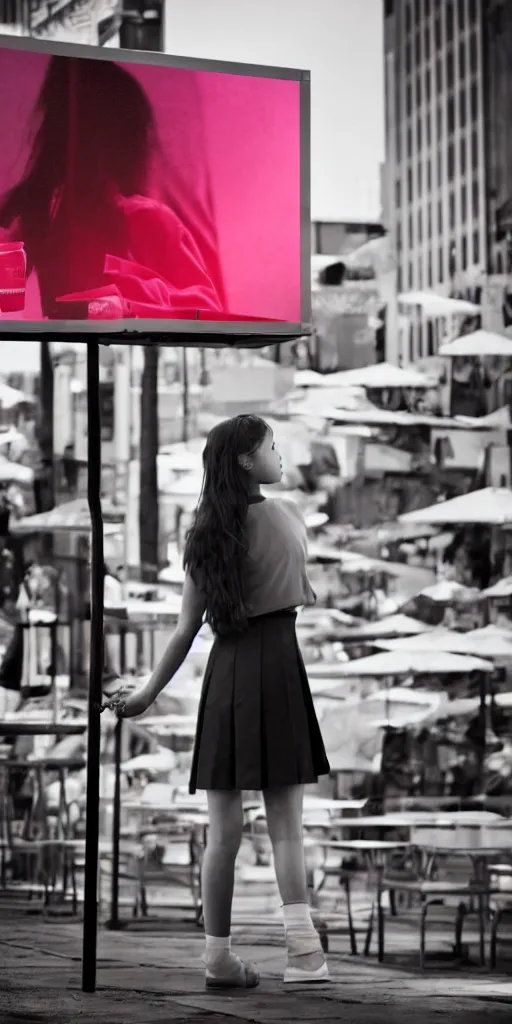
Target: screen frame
point(250, 334)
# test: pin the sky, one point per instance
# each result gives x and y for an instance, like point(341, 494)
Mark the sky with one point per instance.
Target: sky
point(340, 43)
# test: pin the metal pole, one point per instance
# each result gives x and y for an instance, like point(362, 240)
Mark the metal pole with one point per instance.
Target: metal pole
point(114, 923)
point(96, 662)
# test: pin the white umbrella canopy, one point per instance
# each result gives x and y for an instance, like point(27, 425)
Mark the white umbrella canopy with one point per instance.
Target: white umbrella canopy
point(449, 591)
point(438, 305)
point(154, 764)
point(491, 642)
point(501, 589)
point(11, 397)
point(403, 663)
point(478, 344)
point(378, 376)
point(15, 473)
point(489, 506)
point(390, 626)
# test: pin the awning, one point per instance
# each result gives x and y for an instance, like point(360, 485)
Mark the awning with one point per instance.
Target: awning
point(434, 305)
point(478, 344)
point(378, 376)
point(490, 506)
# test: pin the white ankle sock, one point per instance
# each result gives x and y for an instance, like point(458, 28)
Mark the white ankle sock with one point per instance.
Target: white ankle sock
point(219, 959)
point(301, 934)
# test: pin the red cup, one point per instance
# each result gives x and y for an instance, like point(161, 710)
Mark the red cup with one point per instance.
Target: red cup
point(13, 277)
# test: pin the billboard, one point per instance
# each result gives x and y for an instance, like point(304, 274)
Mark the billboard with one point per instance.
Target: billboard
point(143, 195)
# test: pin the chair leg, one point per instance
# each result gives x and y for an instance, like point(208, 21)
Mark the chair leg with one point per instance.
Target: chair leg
point(481, 929)
point(459, 926)
point(369, 931)
point(494, 936)
point(380, 928)
point(423, 929)
point(351, 929)
point(392, 903)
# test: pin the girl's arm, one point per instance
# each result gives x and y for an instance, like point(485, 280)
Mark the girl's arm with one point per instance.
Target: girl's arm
point(189, 623)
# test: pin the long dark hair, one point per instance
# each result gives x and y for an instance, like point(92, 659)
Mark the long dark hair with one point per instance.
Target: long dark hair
point(95, 136)
point(216, 543)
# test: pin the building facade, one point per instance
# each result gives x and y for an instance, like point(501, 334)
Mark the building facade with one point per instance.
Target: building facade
point(436, 98)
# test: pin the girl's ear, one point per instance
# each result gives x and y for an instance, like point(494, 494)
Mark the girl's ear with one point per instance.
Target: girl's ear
point(245, 462)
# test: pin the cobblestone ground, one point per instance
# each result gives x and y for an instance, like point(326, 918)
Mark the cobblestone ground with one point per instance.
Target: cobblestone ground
point(148, 977)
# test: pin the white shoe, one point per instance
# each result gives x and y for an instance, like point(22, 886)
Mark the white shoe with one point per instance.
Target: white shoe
point(298, 975)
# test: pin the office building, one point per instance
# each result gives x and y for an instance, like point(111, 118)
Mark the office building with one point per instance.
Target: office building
point(435, 152)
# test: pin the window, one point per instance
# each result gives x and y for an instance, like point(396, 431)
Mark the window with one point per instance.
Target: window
point(437, 32)
point(473, 53)
point(461, 15)
point(451, 161)
point(420, 333)
point(476, 246)
point(428, 126)
point(429, 221)
point(462, 107)
point(451, 210)
point(398, 144)
point(408, 19)
point(429, 275)
point(399, 280)
point(440, 265)
point(397, 193)
point(420, 275)
point(430, 338)
point(439, 75)
point(462, 155)
point(411, 274)
point(409, 142)
point(462, 58)
point(464, 253)
point(427, 85)
point(399, 237)
point(440, 217)
point(449, 20)
point(417, 46)
point(439, 166)
point(473, 9)
point(420, 178)
point(429, 176)
point(474, 102)
point(463, 204)
point(419, 134)
point(474, 149)
point(420, 227)
point(409, 184)
point(450, 73)
point(451, 115)
point(408, 99)
point(411, 343)
point(475, 199)
point(418, 90)
point(426, 41)
point(388, 8)
point(439, 121)
point(499, 263)
point(408, 58)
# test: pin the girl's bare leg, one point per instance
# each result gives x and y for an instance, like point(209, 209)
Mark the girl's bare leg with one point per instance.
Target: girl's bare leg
point(284, 819)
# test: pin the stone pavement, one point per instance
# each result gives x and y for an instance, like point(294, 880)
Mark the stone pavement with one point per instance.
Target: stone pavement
point(151, 978)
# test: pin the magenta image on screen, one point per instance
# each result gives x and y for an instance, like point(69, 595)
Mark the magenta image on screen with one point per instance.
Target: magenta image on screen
point(144, 191)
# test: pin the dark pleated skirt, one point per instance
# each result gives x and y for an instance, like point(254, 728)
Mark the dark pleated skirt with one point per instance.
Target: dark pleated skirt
point(257, 727)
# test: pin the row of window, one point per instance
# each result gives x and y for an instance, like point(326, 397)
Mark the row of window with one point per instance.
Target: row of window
point(445, 168)
point(443, 68)
point(445, 117)
point(418, 90)
point(457, 13)
point(446, 218)
point(448, 263)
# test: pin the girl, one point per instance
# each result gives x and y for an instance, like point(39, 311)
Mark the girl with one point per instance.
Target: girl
point(245, 562)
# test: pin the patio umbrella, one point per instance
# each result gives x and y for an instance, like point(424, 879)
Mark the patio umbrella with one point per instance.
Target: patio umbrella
point(402, 663)
point(390, 626)
point(15, 473)
point(70, 517)
point(449, 592)
point(501, 589)
point(163, 761)
point(438, 305)
point(479, 343)
point(11, 397)
point(491, 642)
point(379, 376)
point(489, 506)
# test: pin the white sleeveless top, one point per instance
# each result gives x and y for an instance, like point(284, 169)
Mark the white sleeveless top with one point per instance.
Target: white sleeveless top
point(275, 573)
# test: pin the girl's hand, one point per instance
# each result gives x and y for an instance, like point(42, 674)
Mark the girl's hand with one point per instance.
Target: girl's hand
point(126, 703)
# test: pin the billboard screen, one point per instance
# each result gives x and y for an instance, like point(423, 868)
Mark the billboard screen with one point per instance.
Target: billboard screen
point(148, 194)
